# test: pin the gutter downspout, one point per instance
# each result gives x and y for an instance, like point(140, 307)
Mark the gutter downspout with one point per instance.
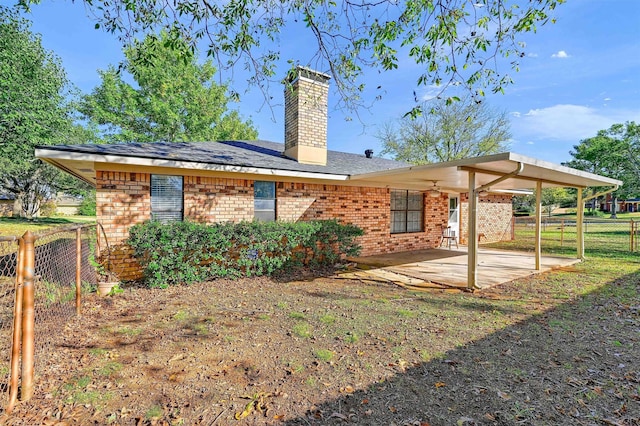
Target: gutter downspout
point(599, 194)
point(472, 266)
point(516, 172)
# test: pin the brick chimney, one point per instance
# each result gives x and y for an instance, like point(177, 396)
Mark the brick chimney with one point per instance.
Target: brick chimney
point(305, 116)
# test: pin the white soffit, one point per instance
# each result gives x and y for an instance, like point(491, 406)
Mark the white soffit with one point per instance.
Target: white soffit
point(452, 176)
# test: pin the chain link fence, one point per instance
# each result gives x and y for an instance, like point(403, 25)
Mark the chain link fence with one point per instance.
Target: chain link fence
point(604, 237)
point(55, 303)
point(60, 273)
point(8, 268)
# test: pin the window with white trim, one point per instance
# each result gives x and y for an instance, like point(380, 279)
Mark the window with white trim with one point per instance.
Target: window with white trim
point(167, 195)
point(264, 201)
point(407, 211)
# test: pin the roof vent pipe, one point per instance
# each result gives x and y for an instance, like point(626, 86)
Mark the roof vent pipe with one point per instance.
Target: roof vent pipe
point(368, 153)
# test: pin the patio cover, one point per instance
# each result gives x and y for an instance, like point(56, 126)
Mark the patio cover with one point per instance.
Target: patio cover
point(506, 172)
point(453, 176)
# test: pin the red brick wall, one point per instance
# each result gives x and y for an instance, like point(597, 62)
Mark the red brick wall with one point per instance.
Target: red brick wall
point(210, 200)
point(494, 218)
point(123, 199)
point(368, 208)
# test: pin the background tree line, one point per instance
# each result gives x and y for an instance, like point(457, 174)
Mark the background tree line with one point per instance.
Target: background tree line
point(161, 92)
point(171, 99)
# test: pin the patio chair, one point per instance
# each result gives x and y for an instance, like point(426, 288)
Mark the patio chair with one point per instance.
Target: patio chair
point(448, 235)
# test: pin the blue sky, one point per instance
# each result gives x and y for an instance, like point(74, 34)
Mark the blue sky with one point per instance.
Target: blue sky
point(581, 75)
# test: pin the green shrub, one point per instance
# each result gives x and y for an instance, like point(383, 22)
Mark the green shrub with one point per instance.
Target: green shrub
point(187, 252)
point(48, 208)
point(88, 205)
point(595, 213)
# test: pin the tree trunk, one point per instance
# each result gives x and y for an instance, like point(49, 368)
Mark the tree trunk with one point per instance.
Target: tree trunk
point(614, 207)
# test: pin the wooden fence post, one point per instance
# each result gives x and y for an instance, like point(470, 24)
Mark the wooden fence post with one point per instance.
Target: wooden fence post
point(28, 317)
point(513, 228)
point(78, 269)
point(17, 328)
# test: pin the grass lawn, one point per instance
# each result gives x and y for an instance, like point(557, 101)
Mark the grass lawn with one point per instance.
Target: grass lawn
point(602, 215)
point(16, 226)
point(558, 348)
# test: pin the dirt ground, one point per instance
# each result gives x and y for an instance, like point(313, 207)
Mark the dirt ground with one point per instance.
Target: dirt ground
point(335, 351)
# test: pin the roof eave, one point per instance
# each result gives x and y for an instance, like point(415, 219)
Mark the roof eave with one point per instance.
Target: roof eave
point(54, 156)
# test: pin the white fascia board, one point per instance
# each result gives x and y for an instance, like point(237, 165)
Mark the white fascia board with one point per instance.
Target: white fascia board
point(185, 165)
point(512, 191)
point(601, 180)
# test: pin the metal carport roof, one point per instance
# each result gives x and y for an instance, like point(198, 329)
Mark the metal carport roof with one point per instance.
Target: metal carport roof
point(452, 176)
point(506, 171)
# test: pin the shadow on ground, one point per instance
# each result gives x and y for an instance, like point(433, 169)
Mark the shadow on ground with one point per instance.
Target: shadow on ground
point(576, 364)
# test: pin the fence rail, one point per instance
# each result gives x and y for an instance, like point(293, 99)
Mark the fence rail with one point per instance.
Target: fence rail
point(559, 236)
point(42, 278)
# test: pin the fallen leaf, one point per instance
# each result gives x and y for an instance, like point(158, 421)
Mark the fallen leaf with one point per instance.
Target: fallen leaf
point(365, 401)
point(440, 384)
point(347, 389)
point(177, 357)
point(257, 402)
point(339, 416)
point(504, 395)
point(247, 410)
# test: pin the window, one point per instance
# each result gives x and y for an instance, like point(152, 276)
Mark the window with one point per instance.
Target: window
point(264, 201)
point(406, 211)
point(166, 198)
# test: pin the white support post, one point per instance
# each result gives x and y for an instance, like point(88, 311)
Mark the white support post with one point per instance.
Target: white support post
point(538, 248)
point(580, 225)
point(472, 267)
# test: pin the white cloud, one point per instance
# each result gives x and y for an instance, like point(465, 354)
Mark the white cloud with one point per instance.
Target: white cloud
point(570, 123)
point(532, 55)
point(432, 92)
point(560, 54)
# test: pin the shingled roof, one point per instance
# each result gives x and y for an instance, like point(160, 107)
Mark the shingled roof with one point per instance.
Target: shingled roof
point(256, 154)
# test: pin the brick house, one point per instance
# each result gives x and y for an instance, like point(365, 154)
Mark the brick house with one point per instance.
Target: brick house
point(400, 207)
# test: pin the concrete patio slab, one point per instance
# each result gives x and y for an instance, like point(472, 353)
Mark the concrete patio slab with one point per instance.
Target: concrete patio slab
point(438, 268)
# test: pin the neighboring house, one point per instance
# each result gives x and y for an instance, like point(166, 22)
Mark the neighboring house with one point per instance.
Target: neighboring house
point(623, 205)
point(7, 205)
point(67, 205)
point(400, 207)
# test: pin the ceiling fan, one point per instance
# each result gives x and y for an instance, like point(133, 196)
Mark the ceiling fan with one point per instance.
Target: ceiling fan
point(434, 191)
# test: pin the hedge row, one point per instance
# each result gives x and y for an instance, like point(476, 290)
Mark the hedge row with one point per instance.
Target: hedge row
point(187, 252)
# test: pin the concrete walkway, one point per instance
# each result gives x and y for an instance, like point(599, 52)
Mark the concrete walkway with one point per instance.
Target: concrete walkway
point(441, 268)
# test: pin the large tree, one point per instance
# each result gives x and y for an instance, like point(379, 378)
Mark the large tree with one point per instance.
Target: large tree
point(34, 110)
point(449, 131)
point(614, 152)
point(173, 100)
point(451, 41)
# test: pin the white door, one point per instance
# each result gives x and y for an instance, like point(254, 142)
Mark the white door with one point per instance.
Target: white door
point(454, 215)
